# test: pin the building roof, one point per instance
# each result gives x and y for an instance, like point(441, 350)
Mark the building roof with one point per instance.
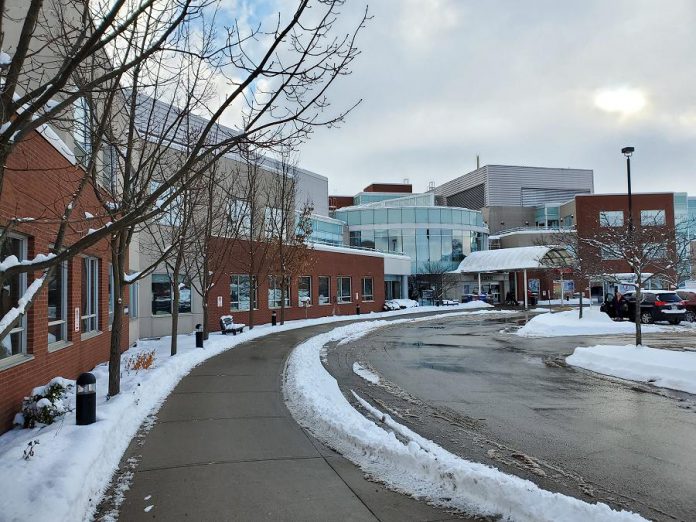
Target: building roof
point(511, 259)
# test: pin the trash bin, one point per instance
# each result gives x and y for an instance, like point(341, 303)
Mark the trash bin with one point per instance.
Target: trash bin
point(86, 400)
point(199, 335)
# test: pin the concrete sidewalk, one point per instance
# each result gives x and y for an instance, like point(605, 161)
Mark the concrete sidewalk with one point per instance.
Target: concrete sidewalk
point(224, 447)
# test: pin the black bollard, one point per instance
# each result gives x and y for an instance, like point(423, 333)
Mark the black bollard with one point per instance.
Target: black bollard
point(357, 309)
point(273, 318)
point(199, 336)
point(86, 400)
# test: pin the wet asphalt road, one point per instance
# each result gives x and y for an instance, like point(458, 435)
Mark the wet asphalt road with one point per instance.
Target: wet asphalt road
point(508, 401)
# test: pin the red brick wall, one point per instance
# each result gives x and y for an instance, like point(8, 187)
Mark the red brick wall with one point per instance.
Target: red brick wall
point(406, 188)
point(332, 264)
point(38, 184)
point(589, 206)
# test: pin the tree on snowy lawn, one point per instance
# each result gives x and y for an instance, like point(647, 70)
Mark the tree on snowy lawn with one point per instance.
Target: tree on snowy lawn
point(74, 65)
point(288, 228)
point(212, 235)
point(436, 274)
point(650, 250)
point(584, 268)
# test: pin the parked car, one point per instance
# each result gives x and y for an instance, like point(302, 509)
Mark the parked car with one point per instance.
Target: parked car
point(689, 298)
point(655, 305)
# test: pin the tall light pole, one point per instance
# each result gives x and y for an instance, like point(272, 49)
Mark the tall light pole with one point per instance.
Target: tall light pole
point(628, 152)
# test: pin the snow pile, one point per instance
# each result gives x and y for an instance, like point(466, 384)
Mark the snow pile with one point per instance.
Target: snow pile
point(593, 322)
point(72, 465)
point(663, 368)
point(410, 463)
point(365, 373)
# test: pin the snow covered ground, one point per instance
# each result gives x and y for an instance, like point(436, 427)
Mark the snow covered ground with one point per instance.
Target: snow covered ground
point(593, 322)
point(407, 462)
point(72, 465)
point(663, 368)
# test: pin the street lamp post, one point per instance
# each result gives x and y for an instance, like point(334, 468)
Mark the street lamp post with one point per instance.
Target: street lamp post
point(628, 152)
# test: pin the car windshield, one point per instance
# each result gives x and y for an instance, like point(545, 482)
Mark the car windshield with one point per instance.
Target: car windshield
point(668, 297)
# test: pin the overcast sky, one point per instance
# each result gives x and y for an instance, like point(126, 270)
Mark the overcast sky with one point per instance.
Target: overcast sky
point(543, 83)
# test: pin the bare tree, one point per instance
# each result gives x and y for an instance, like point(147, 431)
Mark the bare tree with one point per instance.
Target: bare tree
point(213, 234)
point(288, 229)
point(650, 252)
point(104, 59)
point(436, 273)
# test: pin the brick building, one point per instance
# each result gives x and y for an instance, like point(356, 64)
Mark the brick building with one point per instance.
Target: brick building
point(66, 330)
point(335, 282)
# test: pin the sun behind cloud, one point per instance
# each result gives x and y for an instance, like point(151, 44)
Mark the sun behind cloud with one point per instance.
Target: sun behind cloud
point(623, 100)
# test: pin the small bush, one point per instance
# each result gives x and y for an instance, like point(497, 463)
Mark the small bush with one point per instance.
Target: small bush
point(142, 361)
point(46, 403)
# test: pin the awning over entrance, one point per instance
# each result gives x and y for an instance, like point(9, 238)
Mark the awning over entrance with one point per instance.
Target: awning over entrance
point(513, 259)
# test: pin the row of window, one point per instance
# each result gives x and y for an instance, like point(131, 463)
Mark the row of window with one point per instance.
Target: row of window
point(400, 215)
point(648, 218)
point(244, 291)
point(86, 317)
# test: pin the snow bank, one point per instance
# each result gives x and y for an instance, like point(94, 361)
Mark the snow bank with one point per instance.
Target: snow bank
point(593, 322)
point(365, 373)
point(663, 368)
point(73, 464)
point(409, 463)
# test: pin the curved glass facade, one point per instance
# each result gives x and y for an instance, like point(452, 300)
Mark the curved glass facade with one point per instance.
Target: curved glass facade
point(434, 237)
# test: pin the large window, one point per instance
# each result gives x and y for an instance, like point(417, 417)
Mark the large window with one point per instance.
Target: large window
point(652, 218)
point(304, 290)
point(12, 290)
point(81, 128)
point(133, 300)
point(324, 290)
point(343, 289)
point(112, 298)
point(242, 296)
point(162, 295)
point(240, 213)
point(368, 289)
point(90, 294)
point(611, 218)
point(275, 292)
point(58, 304)
point(110, 168)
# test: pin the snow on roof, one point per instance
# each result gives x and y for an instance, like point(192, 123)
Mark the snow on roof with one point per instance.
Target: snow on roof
point(356, 251)
point(508, 259)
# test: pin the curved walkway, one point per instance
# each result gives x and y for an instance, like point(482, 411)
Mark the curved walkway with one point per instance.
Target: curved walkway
point(224, 447)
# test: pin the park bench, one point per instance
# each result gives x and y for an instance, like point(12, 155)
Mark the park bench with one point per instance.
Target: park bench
point(227, 325)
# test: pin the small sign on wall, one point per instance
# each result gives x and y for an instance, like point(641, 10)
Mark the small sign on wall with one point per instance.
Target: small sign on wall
point(77, 319)
point(219, 301)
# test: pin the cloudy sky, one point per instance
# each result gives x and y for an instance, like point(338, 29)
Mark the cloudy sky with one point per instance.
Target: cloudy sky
point(534, 82)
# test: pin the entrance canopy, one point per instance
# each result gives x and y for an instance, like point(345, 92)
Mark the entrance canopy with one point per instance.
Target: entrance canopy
point(513, 259)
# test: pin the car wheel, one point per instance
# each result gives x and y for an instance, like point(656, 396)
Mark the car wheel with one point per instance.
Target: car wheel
point(690, 316)
point(646, 317)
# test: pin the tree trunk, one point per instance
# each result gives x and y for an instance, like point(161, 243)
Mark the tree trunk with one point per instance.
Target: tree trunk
point(117, 325)
point(639, 332)
point(175, 312)
point(205, 319)
point(582, 293)
point(282, 303)
point(252, 300)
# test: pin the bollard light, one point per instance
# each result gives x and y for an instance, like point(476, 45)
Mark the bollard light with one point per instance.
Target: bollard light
point(86, 400)
point(273, 318)
point(199, 335)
